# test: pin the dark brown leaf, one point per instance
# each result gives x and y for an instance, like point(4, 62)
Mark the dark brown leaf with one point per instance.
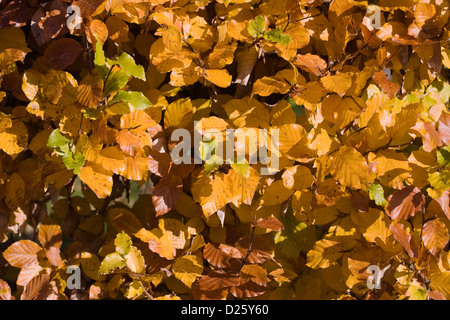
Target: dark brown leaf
point(16, 13)
point(49, 22)
point(61, 53)
point(87, 7)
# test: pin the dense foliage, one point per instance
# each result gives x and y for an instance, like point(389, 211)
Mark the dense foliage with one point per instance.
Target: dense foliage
point(92, 94)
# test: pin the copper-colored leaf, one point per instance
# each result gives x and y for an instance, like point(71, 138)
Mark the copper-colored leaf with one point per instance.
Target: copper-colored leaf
point(218, 280)
point(389, 87)
point(405, 239)
point(166, 194)
point(311, 63)
point(271, 223)
point(50, 234)
point(90, 90)
point(159, 162)
point(38, 288)
point(22, 253)
point(215, 256)
point(435, 236)
point(261, 250)
point(444, 127)
point(5, 289)
point(405, 203)
point(87, 7)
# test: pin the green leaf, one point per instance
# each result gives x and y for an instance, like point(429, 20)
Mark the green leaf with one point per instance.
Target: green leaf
point(116, 81)
point(135, 98)
point(123, 243)
point(64, 148)
point(127, 63)
point(443, 156)
point(56, 140)
point(257, 26)
point(428, 101)
point(99, 59)
point(111, 262)
point(74, 161)
point(299, 110)
point(275, 35)
point(411, 98)
point(440, 181)
point(376, 192)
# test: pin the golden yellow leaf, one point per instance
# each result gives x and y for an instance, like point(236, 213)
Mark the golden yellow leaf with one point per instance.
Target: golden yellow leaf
point(338, 83)
point(350, 168)
point(241, 189)
point(13, 37)
point(392, 168)
point(441, 283)
point(293, 142)
point(247, 112)
point(135, 261)
point(112, 159)
point(297, 178)
point(90, 90)
point(219, 77)
point(276, 193)
point(178, 114)
point(90, 265)
point(14, 139)
point(221, 56)
point(136, 167)
point(97, 178)
point(171, 38)
point(323, 254)
point(185, 76)
point(211, 192)
point(158, 241)
point(187, 269)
